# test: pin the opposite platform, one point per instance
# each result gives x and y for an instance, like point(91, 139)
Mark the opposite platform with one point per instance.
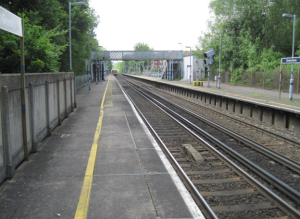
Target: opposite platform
point(101, 162)
point(270, 97)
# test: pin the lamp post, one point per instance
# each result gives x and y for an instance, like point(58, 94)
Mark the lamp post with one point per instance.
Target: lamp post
point(70, 50)
point(219, 79)
point(89, 63)
point(197, 69)
point(190, 63)
point(180, 45)
point(293, 47)
point(91, 35)
point(100, 75)
point(139, 68)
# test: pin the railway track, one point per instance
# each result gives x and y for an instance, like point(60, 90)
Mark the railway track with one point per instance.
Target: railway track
point(283, 142)
point(219, 186)
point(286, 180)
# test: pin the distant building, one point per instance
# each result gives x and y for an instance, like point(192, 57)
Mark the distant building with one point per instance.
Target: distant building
point(192, 70)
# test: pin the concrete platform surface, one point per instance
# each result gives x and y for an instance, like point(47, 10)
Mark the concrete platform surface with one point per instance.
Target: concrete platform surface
point(247, 93)
point(102, 162)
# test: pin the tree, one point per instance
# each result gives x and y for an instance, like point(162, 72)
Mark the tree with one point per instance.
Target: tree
point(47, 36)
point(41, 54)
point(141, 47)
point(119, 66)
point(248, 29)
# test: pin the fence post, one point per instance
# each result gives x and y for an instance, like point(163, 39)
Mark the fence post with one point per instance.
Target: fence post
point(242, 78)
point(32, 117)
point(298, 83)
point(58, 102)
point(280, 81)
point(264, 78)
point(47, 99)
point(251, 77)
point(75, 103)
point(71, 93)
point(10, 169)
point(66, 100)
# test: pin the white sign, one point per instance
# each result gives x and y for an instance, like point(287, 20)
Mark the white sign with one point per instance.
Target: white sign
point(10, 22)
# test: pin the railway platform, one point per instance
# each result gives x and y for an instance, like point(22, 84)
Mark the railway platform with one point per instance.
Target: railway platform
point(102, 162)
point(270, 97)
point(258, 106)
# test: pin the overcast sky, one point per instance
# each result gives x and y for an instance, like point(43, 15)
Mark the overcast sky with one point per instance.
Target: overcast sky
point(162, 24)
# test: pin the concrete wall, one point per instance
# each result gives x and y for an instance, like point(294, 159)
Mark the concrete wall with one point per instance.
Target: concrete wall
point(49, 99)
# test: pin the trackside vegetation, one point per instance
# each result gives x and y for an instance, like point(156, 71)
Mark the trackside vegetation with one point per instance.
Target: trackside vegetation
point(47, 36)
point(255, 36)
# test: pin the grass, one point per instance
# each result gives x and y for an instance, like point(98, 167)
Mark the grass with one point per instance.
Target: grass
point(259, 95)
point(293, 101)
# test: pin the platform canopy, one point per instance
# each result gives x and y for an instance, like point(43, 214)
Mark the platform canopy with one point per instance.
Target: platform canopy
point(136, 55)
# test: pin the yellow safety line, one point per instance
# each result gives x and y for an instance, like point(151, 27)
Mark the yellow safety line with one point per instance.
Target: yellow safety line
point(84, 198)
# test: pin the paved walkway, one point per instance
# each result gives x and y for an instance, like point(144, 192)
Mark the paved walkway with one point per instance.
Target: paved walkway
point(101, 162)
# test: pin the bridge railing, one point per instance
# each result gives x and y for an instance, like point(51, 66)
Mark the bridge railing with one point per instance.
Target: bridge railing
point(137, 55)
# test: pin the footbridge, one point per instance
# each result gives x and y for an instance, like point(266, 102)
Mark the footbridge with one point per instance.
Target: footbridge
point(173, 58)
point(137, 55)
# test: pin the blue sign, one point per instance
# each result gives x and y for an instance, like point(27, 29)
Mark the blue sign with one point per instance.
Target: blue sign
point(290, 60)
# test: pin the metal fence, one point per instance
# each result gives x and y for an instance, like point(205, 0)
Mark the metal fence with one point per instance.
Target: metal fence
point(80, 81)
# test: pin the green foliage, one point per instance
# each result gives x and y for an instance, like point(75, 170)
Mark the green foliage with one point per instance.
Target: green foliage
point(235, 78)
point(109, 66)
point(254, 34)
point(41, 54)
point(270, 59)
point(47, 36)
point(140, 64)
point(141, 47)
point(119, 66)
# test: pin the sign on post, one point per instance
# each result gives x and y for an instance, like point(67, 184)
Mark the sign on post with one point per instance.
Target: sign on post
point(14, 24)
point(10, 22)
point(290, 60)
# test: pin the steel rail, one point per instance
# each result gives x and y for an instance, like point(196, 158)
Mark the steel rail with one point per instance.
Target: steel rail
point(263, 130)
point(292, 193)
point(284, 161)
point(268, 193)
